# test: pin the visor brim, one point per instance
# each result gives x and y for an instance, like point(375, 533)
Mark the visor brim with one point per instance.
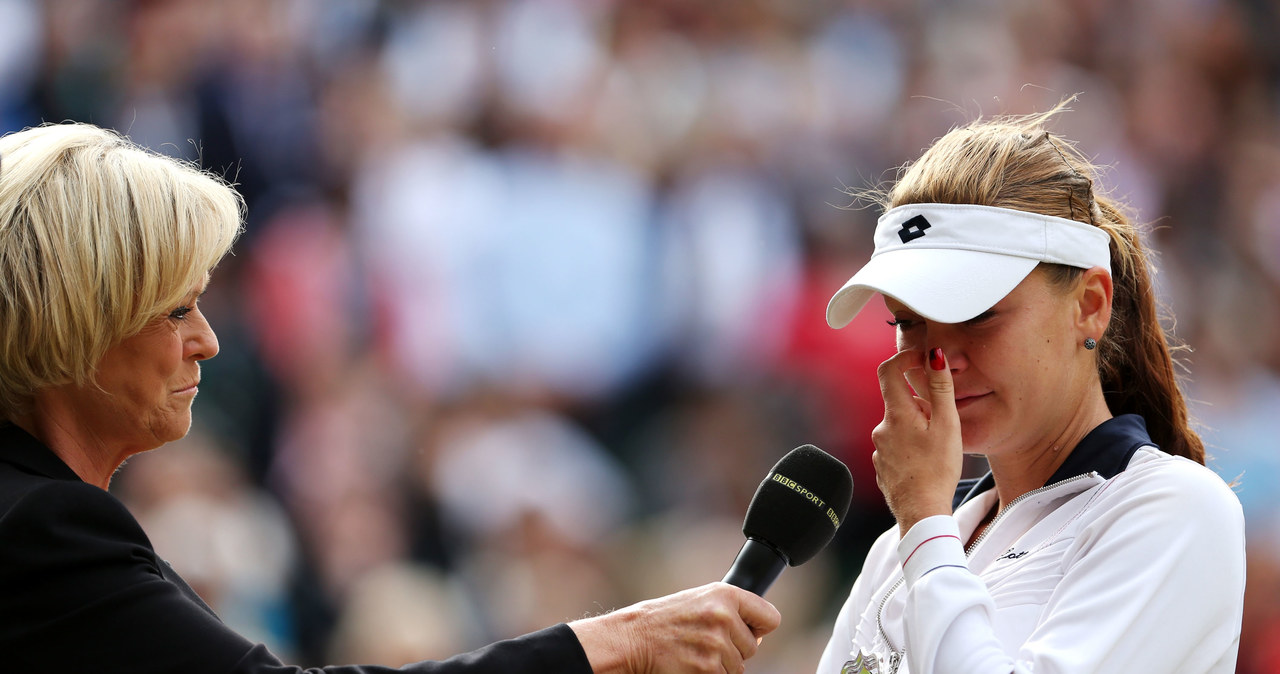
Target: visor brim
point(946, 285)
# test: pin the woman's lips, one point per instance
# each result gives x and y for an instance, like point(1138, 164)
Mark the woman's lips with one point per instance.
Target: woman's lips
point(966, 401)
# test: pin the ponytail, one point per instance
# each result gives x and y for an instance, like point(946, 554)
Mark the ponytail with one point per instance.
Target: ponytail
point(1135, 359)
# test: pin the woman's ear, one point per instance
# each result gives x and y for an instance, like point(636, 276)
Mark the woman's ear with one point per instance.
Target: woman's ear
point(1093, 302)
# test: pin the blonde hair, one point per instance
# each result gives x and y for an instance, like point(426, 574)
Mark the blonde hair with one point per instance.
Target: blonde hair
point(98, 237)
point(1013, 162)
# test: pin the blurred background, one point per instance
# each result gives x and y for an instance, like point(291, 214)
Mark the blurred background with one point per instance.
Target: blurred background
point(531, 292)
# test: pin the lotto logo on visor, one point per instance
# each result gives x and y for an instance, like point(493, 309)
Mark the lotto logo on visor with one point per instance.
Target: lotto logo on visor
point(951, 262)
point(913, 229)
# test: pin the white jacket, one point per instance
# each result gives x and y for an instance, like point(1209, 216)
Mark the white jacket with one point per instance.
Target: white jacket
point(1129, 560)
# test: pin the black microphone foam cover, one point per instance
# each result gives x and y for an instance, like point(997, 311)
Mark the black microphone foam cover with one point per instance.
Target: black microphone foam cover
point(800, 504)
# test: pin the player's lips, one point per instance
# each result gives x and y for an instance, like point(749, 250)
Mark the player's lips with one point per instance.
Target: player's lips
point(969, 399)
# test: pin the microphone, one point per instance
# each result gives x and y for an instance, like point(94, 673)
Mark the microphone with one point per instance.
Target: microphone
point(794, 514)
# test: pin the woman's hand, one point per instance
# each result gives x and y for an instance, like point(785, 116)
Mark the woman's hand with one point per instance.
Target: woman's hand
point(919, 453)
point(711, 629)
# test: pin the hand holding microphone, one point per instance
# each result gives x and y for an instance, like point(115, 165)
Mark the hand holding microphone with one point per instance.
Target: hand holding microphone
point(717, 627)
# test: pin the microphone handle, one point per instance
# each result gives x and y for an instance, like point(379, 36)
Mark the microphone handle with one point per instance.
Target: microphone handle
point(756, 567)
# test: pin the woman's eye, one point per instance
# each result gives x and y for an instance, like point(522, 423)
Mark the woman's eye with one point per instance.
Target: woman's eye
point(179, 313)
point(980, 318)
point(903, 323)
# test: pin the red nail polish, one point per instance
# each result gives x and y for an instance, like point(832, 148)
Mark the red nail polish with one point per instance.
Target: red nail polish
point(936, 361)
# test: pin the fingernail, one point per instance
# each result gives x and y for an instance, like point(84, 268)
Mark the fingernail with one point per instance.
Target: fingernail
point(936, 361)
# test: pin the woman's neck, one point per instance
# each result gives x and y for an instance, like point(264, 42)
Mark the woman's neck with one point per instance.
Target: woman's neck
point(73, 448)
point(1017, 473)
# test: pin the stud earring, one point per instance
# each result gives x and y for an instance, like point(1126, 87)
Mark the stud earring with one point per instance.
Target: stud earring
point(1090, 343)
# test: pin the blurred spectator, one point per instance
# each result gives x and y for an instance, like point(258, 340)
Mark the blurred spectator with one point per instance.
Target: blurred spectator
point(398, 613)
point(527, 498)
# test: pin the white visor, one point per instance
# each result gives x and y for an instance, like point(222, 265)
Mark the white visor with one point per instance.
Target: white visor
point(951, 262)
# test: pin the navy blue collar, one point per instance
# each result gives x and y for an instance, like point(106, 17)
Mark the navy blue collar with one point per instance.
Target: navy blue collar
point(1106, 450)
point(23, 450)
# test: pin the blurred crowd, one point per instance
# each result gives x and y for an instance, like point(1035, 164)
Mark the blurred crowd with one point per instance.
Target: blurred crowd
point(531, 292)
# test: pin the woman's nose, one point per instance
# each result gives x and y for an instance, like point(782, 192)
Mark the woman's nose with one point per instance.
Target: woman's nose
point(946, 337)
point(202, 342)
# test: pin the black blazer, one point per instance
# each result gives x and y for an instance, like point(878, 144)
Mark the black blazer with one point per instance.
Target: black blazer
point(82, 591)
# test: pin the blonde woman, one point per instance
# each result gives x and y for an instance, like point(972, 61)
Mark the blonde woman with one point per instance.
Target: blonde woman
point(105, 249)
point(1027, 332)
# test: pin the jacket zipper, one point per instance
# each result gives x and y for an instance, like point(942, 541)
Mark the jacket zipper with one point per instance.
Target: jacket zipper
point(1000, 515)
point(896, 658)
